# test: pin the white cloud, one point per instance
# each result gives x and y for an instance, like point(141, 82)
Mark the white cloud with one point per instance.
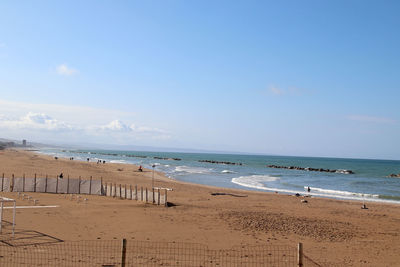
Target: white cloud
point(121, 127)
point(117, 126)
point(63, 123)
point(275, 90)
point(372, 119)
point(63, 69)
point(38, 121)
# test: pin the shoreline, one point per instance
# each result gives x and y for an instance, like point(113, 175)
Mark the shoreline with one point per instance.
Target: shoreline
point(326, 227)
point(263, 190)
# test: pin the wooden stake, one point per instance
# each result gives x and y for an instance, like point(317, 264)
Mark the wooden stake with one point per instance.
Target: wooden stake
point(56, 185)
point(136, 196)
point(165, 199)
point(68, 185)
point(300, 255)
point(123, 253)
point(23, 182)
point(34, 182)
point(90, 186)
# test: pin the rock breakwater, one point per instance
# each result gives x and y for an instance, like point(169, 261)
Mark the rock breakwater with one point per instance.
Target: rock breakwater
point(220, 162)
point(310, 169)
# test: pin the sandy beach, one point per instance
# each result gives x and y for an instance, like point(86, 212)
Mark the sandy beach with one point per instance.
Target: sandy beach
point(334, 232)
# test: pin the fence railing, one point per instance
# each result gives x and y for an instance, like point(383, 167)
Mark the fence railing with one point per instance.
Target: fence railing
point(136, 253)
point(81, 186)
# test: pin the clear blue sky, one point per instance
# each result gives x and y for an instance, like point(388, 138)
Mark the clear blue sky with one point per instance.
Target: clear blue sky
point(315, 78)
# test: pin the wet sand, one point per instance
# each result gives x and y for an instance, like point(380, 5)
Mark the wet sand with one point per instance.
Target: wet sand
point(333, 232)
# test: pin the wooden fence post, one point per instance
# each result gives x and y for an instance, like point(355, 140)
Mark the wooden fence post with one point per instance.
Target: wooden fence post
point(141, 193)
point(147, 198)
point(12, 184)
point(125, 191)
point(45, 185)
point(300, 255)
point(123, 253)
point(23, 182)
point(34, 182)
point(153, 200)
point(130, 189)
point(101, 187)
point(56, 185)
point(120, 191)
point(165, 199)
point(90, 186)
point(68, 185)
point(2, 182)
point(136, 196)
point(79, 189)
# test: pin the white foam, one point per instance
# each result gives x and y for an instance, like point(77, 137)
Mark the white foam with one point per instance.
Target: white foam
point(118, 161)
point(254, 181)
point(228, 171)
point(191, 169)
point(341, 193)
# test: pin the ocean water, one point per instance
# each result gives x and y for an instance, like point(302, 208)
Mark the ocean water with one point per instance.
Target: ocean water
point(369, 181)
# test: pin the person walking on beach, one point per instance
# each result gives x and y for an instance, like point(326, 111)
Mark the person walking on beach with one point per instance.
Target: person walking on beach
point(140, 168)
point(308, 189)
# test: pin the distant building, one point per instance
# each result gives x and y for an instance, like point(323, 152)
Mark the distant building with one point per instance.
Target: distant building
point(24, 142)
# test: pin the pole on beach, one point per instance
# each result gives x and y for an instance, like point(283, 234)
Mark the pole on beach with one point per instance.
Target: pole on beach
point(123, 253)
point(300, 255)
point(152, 181)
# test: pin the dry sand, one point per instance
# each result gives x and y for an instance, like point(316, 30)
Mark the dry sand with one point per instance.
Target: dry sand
point(334, 232)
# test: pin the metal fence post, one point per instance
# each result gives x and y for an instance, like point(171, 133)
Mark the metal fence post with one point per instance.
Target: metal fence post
point(123, 252)
point(300, 255)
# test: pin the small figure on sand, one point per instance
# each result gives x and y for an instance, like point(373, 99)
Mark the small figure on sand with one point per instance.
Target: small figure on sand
point(87, 159)
point(140, 168)
point(308, 189)
point(61, 175)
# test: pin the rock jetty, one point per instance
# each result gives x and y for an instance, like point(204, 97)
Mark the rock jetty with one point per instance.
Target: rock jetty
point(310, 169)
point(394, 175)
point(167, 158)
point(220, 162)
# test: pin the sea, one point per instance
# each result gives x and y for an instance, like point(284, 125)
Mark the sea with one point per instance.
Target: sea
point(369, 180)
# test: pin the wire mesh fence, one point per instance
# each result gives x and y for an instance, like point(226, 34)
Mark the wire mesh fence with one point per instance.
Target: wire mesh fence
point(136, 253)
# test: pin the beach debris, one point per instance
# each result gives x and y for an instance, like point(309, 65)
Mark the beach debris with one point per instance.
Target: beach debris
point(227, 194)
point(364, 207)
point(220, 162)
point(304, 201)
point(310, 169)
